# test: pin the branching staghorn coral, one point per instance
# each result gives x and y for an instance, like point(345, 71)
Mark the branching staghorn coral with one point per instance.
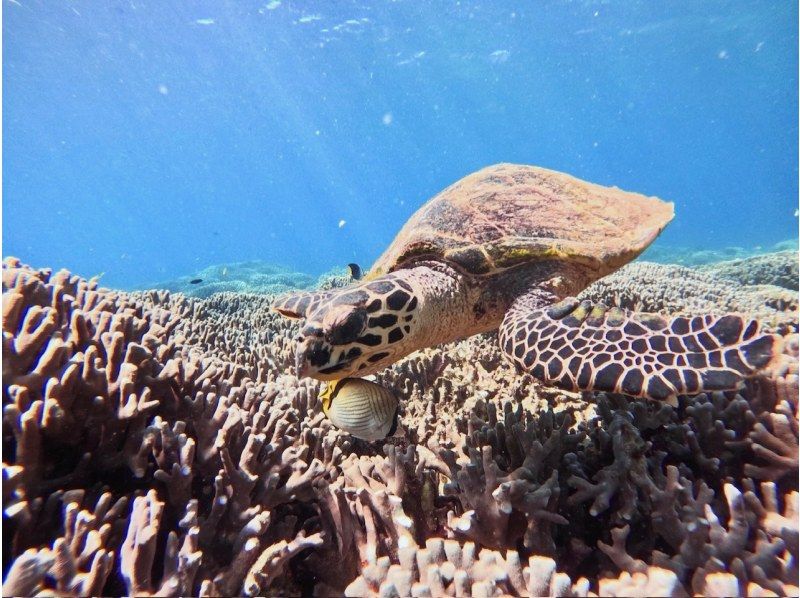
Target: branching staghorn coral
point(156, 444)
point(669, 289)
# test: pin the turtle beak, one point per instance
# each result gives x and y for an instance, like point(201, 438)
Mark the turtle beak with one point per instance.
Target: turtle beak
point(301, 364)
point(311, 354)
point(313, 358)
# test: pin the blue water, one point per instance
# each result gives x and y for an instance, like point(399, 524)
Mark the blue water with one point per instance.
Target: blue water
point(148, 139)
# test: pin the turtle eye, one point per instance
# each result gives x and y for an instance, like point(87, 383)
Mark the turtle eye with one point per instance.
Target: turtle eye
point(344, 324)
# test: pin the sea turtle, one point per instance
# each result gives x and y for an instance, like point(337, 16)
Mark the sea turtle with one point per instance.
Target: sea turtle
point(508, 247)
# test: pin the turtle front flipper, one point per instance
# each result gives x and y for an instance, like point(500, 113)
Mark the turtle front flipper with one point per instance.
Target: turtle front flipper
point(300, 305)
point(583, 346)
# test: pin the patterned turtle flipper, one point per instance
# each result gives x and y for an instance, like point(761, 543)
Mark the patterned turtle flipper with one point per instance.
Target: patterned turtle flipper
point(300, 305)
point(583, 346)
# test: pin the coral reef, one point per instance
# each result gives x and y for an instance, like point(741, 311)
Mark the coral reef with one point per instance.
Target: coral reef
point(159, 444)
point(670, 289)
point(238, 277)
point(693, 256)
point(779, 269)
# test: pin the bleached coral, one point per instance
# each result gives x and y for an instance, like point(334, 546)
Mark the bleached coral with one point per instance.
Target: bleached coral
point(158, 444)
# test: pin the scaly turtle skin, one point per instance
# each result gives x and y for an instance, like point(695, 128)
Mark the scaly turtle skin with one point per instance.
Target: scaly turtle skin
point(507, 247)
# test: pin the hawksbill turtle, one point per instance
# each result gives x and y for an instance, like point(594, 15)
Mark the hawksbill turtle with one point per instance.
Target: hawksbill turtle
point(508, 248)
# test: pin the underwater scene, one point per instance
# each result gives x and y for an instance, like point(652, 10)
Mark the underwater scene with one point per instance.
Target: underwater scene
point(400, 298)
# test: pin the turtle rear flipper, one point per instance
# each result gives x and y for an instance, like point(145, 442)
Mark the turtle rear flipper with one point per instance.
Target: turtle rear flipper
point(583, 346)
point(300, 305)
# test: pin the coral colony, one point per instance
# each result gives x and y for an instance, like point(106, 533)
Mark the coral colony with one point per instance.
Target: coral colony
point(156, 444)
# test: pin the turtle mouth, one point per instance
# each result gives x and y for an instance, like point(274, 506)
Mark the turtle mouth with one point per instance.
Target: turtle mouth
point(313, 360)
point(337, 367)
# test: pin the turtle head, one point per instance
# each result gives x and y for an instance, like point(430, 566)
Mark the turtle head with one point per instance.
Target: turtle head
point(357, 331)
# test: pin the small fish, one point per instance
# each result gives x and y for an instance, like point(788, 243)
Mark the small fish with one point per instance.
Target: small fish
point(342, 223)
point(195, 281)
point(362, 408)
point(355, 271)
point(205, 21)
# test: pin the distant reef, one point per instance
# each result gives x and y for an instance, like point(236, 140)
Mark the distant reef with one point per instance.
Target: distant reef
point(778, 266)
point(693, 256)
point(247, 277)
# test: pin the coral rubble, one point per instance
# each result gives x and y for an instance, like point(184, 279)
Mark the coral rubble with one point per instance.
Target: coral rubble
point(158, 444)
